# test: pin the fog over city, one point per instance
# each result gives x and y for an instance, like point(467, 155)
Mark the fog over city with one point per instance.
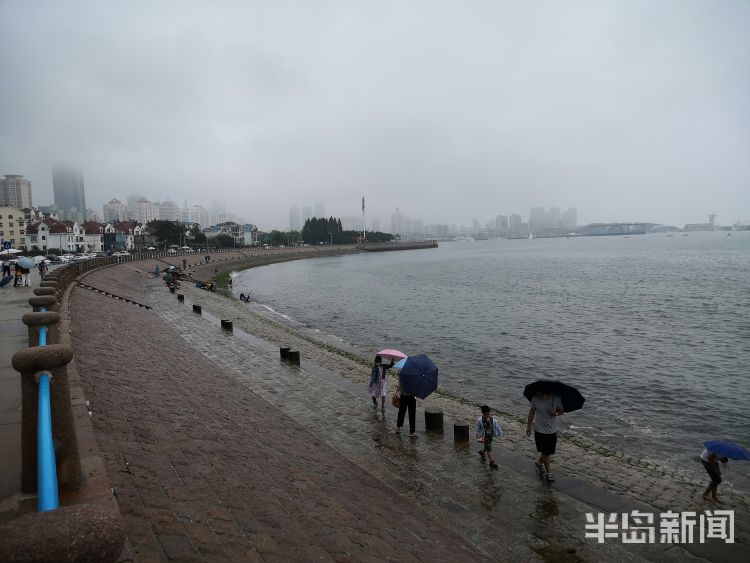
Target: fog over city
point(628, 110)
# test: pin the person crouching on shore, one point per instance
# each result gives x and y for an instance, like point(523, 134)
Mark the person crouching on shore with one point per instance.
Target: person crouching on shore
point(545, 408)
point(378, 382)
point(711, 462)
point(487, 429)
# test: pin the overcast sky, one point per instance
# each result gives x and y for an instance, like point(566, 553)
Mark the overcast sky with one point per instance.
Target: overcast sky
point(450, 111)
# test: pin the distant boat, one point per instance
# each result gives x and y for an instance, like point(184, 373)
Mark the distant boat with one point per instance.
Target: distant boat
point(670, 235)
point(684, 235)
point(729, 234)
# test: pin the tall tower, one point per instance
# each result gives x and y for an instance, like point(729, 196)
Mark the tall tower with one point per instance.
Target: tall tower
point(67, 184)
point(15, 191)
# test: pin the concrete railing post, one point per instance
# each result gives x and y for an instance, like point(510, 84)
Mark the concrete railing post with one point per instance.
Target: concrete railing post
point(54, 359)
point(227, 325)
point(284, 352)
point(294, 357)
point(49, 319)
point(197, 309)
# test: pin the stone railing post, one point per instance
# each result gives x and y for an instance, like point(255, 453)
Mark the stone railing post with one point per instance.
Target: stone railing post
point(29, 362)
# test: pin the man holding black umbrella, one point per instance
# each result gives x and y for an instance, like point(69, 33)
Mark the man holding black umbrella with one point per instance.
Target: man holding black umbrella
point(545, 408)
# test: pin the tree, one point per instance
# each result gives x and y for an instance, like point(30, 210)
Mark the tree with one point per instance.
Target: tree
point(224, 241)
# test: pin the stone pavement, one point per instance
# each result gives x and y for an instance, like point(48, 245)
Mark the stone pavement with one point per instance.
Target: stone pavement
point(206, 469)
point(176, 452)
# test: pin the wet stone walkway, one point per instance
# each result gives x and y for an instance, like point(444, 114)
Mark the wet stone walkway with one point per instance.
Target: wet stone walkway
point(200, 426)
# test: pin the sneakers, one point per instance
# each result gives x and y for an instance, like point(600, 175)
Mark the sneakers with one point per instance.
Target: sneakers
point(493, 465)
point(540, 468)
point(549, 477)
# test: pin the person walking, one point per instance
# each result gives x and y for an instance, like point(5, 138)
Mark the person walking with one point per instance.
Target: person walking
point(6, 268)
point(378, 383)
point(710, 462)
point(408, 402)
point(487, 429)
point(17, 275)
point(545, 408)
point(42, 269)
point(25, 277)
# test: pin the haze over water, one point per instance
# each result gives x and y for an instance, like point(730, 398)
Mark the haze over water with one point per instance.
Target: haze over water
point(653, 330)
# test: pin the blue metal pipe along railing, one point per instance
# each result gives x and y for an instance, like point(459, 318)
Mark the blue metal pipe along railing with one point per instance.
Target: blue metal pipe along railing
point(46, 465)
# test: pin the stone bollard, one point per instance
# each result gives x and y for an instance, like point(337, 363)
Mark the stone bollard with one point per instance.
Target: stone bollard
point(172, 289)
point(36, 320)
point(284, 352)
point(227, 325)
point(180, 298)
point(433, 419)
point(197, 309)
point(29, 362)
point(460, 433)
point(294, 357)
point(48, 301)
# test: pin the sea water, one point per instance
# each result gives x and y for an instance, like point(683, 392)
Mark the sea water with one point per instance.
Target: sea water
point(654, 330)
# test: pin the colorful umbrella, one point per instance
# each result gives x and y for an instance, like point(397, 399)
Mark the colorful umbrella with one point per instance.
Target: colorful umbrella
point(391, 354)
point(419, 376)
point(571, 399)
point(725, 448)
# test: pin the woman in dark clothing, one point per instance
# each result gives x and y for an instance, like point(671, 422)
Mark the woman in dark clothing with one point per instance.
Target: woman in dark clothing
point(407, 402)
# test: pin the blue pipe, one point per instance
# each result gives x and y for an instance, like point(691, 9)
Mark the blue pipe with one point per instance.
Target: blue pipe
point(45, 466)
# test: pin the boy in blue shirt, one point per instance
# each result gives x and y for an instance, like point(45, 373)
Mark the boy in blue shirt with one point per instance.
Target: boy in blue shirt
point(487, 429)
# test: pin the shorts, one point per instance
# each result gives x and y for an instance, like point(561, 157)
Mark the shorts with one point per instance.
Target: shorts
point(545, 443)
point(487, 445)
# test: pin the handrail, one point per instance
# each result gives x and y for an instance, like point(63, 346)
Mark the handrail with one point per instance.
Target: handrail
point(46, 465)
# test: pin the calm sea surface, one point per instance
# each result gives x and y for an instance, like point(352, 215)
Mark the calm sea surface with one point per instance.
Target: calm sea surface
point(653, 330)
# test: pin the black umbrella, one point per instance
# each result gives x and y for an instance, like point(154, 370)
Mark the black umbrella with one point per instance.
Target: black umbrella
point(571, 398)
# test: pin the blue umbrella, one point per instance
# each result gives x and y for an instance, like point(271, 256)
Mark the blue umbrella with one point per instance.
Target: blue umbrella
point(399, 364)
point(26, 263)
point(419, 376)
point(725, 448)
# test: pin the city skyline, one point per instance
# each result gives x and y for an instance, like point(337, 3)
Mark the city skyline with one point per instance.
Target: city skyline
point(636, 112)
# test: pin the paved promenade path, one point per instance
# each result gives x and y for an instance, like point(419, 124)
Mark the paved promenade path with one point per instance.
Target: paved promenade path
point(219, 451)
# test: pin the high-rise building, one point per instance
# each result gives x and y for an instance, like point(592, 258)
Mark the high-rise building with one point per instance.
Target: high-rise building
point(376, 225)
point(306, 213)
point(113, 211)
point(501, 222)
point(145, 211)
point(67, 184)
point(320, 210)
point(294, 219)
point(569, 219)
point(515, 223)
point(168, 211)
point(15, 191)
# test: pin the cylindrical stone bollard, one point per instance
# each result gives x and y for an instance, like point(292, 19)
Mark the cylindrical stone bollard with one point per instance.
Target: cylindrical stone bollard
point(197, 309)
point(227, 325)
point(172, 289)
point(433, 419)
point(294, 356)
point(180, 297)
point(460, 433)
point(284, 352)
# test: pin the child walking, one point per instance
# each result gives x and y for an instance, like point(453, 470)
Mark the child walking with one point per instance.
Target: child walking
point(378, 383)
point(487, 429)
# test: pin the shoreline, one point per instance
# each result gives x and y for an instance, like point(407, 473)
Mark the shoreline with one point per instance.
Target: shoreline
point(640, 479)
